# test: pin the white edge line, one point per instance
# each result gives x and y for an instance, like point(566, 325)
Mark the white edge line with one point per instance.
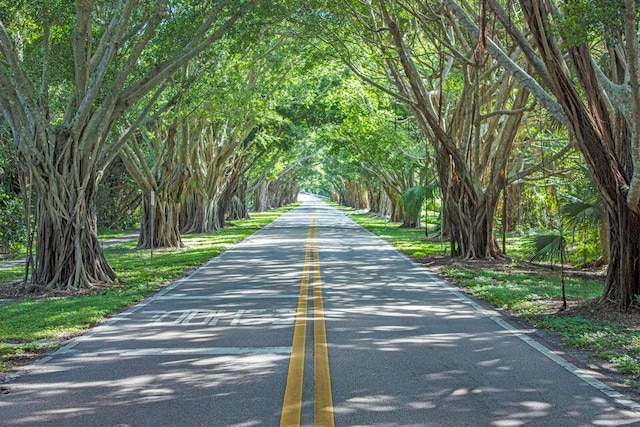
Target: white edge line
point(616, 396)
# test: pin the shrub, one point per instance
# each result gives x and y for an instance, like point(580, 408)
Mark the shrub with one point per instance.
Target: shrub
point(13, 229)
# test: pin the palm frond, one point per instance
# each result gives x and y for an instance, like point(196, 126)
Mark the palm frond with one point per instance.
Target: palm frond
point(546, 246)
point(432, 190)
point(412, 200)
point(579, 211)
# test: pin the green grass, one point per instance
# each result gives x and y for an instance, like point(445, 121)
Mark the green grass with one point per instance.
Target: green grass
point(519, 292)
point(604, 339)
point(517, 245)
point(11, 274)
point(409, 240)
point(36, 325)
point(413, 241)
point(529, 296)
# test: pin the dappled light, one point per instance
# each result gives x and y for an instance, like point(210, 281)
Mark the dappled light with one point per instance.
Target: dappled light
point(404, 347)
point(473, 135)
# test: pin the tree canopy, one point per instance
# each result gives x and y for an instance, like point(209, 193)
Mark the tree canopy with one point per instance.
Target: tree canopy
point(217, 108)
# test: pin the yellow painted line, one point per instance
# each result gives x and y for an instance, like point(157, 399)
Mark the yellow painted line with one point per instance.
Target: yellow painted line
point(323, 413)
point(292, 404)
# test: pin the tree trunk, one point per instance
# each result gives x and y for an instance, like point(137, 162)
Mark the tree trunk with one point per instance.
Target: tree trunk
point(68, 254)
point(397, 211)
point(356, 192)
point(374, 200)
point(622, 283)
point(471, 228)
point(231, 187)
point(222, 208)
point(260, 197)
point(166, 225)
point(604, 136)
point(514, 206)
point(199, 215)
point(288, 194)
point(472, 133)
point(239, 206)
point(239, 209)
point(469, 213)
point(343, 193)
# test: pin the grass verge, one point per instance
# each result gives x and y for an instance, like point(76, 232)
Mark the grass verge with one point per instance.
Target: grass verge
point(535, 298)
point(34, 325)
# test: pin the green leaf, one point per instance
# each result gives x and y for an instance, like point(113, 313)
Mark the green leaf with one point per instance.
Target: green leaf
point(546, 246)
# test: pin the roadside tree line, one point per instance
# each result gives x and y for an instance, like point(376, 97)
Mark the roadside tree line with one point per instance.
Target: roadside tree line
point(474, 76)
point(215, 107)
point(182, 93)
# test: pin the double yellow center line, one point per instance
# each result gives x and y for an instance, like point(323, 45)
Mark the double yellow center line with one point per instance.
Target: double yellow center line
point(292, 404)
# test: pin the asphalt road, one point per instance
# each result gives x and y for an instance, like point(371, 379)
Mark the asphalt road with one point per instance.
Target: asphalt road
point(310, 318)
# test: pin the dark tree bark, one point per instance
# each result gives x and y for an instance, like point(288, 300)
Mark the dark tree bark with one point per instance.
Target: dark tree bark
point(604, 136)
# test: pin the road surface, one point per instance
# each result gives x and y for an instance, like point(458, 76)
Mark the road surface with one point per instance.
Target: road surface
point(311, 321)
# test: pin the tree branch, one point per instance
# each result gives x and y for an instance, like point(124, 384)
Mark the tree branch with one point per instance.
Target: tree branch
point(512, 67)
